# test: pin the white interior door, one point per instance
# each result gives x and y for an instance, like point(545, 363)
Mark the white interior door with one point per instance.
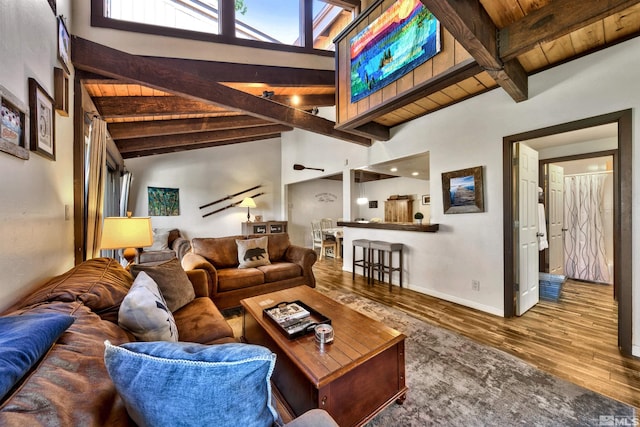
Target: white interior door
point(556, 217)
point(528, 293)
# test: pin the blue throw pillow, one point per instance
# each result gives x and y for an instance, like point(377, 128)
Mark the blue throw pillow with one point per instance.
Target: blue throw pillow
point(24, 339)
point(188, 384)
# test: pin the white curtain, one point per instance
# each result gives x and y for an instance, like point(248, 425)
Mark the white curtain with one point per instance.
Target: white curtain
point(124, 193)
point(96, 171)
point(584, 249)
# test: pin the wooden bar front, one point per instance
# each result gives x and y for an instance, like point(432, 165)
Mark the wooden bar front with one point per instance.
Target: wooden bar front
point(354, 378)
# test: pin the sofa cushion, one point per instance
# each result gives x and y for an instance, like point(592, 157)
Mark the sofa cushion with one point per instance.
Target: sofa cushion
point(278, 245)
point(221, 252)
point(145, 314)
point(100, 283)
point(24, 339)
point(200, 321)
point(172, 280)
point(253, 252)
point(238, 278)
point(165, 384)
point(280, 271)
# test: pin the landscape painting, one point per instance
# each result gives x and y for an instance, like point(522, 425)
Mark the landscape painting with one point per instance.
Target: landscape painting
point(403, 37)
point(462, 191)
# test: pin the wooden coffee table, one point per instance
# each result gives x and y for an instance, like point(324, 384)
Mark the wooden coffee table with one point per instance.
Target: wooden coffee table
point(354, 378)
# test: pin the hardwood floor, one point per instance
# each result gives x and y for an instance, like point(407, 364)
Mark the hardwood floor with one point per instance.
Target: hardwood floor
point(574, 338)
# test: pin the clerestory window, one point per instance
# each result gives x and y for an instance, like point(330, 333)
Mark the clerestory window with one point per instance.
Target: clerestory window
point(245, 22)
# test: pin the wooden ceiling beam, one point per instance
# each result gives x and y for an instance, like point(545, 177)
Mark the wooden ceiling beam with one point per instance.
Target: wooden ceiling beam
point(142, 153)
point(91, 56)
point(472, 27)
point(229, 72)
point(554, 20)
point(111, 107)
point(128, 130)
point(181, 141)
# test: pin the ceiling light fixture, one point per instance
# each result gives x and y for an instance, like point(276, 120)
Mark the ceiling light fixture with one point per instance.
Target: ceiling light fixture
point(415, 173)
point(295, 100)
point(394, 169)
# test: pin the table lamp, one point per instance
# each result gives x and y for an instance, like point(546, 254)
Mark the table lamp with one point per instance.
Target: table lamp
point(127, 233)
point(248, 203)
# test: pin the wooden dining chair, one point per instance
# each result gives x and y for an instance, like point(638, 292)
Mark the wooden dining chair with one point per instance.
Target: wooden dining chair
point(320, 239)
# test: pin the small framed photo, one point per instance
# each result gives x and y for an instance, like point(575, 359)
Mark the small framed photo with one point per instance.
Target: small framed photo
point(42, 123)
point(426, 199)
point(13, 125)
point(462, 191)
point(64, 45)
point(61, 91)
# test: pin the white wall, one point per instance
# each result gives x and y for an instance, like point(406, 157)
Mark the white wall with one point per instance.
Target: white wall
point(312, 200)
point(469, 246)
point(37, 241)
point(207, 175)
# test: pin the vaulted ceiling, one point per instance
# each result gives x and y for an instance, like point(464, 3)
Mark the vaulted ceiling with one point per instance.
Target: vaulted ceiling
point(158, 105)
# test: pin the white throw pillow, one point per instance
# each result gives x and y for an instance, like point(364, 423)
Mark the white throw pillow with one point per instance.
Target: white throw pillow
point(160, 239)
point(144, 312)
point(253, 252)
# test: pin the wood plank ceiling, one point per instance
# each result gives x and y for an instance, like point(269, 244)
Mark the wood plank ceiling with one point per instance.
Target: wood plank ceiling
point(187, 104)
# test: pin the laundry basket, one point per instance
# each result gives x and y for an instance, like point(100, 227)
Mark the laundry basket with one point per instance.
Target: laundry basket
point(551, 286)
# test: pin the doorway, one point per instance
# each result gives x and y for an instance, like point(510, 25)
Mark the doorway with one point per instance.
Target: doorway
point(622, 215)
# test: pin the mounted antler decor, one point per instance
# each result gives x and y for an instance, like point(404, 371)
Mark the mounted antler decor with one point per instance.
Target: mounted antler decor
point(299, 167)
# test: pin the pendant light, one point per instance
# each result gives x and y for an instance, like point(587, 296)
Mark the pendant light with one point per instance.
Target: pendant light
point(362, 198)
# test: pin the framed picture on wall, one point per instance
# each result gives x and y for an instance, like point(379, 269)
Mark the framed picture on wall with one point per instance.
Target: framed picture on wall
point(426, 199)
point(64, 45)
point(462, 191)
point(13, 125)
point(42, 123)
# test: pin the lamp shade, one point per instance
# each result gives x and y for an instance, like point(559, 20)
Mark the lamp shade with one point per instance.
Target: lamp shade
point(247, 202)
point(126, 232)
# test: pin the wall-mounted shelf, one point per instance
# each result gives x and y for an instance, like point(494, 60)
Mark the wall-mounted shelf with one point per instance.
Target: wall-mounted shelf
point(400, 226)
point(266, 227)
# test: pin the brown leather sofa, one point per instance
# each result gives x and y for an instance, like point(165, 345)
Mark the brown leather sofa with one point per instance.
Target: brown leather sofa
point(70, 385)
point(290, 266)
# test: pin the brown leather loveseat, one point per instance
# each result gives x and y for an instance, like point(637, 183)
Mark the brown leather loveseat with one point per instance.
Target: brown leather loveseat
point(290, 266)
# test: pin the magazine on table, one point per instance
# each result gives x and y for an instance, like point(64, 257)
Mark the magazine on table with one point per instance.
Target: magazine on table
point(294, 319)
point(288, 314)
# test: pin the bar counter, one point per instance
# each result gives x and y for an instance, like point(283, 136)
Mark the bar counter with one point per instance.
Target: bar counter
point(400, 226)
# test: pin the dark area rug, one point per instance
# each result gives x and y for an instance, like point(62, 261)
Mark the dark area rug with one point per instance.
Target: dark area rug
point(454, 381)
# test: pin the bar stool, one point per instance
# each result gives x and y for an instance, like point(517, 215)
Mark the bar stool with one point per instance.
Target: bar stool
point(364, 261)
point(380, 265)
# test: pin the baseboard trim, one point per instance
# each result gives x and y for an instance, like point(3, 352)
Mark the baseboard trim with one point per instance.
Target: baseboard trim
point(462, 301)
